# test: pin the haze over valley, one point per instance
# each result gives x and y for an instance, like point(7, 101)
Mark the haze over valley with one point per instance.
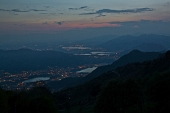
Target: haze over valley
point(71, 60)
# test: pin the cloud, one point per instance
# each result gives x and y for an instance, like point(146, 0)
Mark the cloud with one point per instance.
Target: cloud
point(135, 26)
point(88, 13)
point(167, 4)
point(36, 10)
point(22, 25)
point(59, 23)
point(100, 15)
point(137, 22)
point(47, 6)
point(44, 23)
point(43, 13)
point(4, 10)
point(137, 10)
point(83, 7)
point(47, 13)
point(143, 24)
point(91, 19)
point(18, 10)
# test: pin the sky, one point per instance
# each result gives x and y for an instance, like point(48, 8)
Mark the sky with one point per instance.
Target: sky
point(84, 18)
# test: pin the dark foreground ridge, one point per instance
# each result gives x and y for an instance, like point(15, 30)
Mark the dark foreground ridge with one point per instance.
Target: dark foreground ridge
point(140, 87)
point(133, 56)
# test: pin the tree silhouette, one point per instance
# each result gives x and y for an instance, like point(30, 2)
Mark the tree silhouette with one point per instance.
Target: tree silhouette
point(119, 97)
point(42, 104)
point(159, 93)
point(3, 102)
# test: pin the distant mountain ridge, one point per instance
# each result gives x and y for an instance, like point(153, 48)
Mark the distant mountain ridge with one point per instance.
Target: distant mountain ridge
point(133, 56)
point(96, 40)
point(129, 42)
point(148, 47)
point(26, 59)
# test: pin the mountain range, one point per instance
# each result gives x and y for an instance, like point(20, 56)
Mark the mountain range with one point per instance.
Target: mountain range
point(26, 59)
point(143, 43)
point(131, 57)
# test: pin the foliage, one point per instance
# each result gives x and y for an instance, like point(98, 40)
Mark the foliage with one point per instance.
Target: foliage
point(42, 104)
point(159, 93)
point(118, 97)
point(37, 100)
point(3, 102)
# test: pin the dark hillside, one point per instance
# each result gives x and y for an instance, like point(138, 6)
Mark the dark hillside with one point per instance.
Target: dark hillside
point(133, 56)
point(25, 60)
point(141, 73)
point(141, 87)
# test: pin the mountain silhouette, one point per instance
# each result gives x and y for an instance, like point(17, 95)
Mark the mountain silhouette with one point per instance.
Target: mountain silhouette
point(129, 43)
point(133, 56)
